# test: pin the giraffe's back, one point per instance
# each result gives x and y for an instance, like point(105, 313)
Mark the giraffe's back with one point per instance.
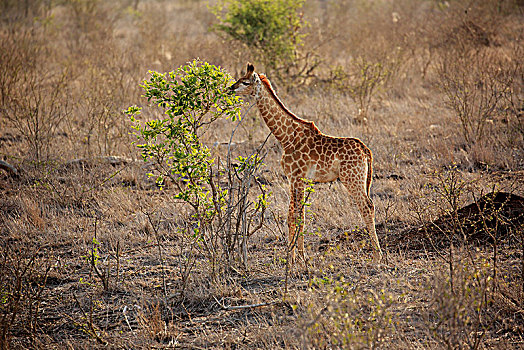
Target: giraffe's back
point(325, 158)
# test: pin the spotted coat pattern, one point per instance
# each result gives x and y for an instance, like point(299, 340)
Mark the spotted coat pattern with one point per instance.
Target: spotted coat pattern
point(310, 154)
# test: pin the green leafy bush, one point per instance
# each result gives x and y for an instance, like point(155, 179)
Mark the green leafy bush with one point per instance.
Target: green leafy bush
point(270, 27)
point(223, 213)
point(192, 97)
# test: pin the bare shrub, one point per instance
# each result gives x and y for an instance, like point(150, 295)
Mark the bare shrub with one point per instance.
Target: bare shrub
point(65, 79)
point(477, 84)
point(458, 314)
point(478, 68)
point(371, 58)
point(37, 107)
point(33, 99)
point(467, 303)
point(348, 316)
point(361, 83)
point(17, 54)
point(90, 22)
point(23, 276)
point(106, 85)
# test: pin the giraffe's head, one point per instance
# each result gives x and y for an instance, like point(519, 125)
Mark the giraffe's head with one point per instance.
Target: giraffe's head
point(249, 84)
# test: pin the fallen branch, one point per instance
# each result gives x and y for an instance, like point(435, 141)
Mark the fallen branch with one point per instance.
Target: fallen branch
point(240, 307)
point(11, 170)
point(112, 160)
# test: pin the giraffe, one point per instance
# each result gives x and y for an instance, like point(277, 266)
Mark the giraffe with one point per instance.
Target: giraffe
point(310, 154)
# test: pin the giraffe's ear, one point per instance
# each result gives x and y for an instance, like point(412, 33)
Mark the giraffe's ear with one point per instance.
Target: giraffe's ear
point(250, 68)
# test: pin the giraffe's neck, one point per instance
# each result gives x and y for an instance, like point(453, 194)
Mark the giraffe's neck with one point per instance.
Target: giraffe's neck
point(282, 123)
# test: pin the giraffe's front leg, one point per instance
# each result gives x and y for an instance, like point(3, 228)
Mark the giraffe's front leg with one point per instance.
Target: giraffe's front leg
point(296, 219)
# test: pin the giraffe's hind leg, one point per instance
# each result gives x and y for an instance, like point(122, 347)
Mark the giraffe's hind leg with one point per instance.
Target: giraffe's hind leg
point(365, 205)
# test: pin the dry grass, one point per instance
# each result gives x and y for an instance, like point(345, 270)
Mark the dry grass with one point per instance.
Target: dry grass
point(92, 255)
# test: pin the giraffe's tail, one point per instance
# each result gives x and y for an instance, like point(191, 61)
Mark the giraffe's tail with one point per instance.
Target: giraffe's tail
point(370, 170)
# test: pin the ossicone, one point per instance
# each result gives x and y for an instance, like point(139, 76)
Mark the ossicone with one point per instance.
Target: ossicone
point(250, 68)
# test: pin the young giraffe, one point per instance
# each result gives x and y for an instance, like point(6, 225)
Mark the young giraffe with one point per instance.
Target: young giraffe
point(310, 154)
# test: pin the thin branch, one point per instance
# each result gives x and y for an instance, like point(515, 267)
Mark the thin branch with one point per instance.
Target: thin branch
point(243, 307)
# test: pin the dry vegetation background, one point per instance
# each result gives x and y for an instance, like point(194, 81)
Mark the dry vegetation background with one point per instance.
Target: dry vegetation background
point(90, 250)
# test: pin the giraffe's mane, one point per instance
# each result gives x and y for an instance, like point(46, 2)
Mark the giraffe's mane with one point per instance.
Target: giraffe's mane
point(269, 88)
